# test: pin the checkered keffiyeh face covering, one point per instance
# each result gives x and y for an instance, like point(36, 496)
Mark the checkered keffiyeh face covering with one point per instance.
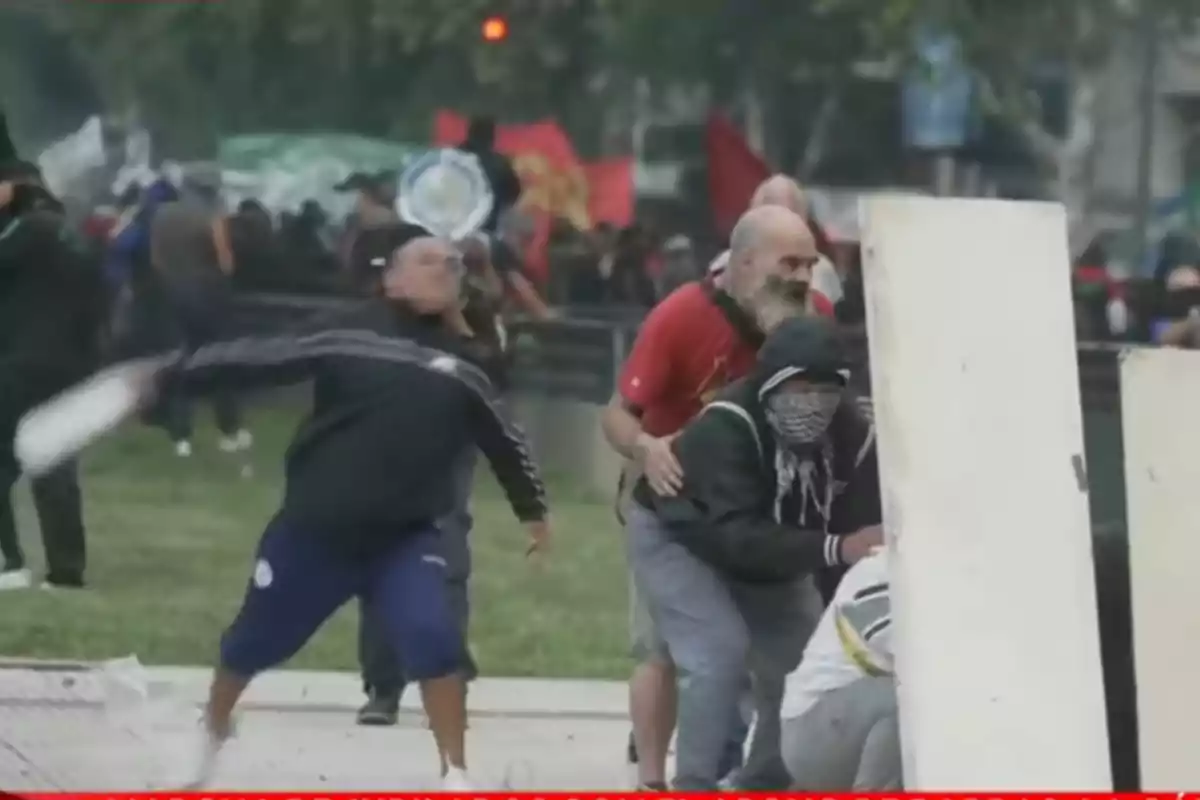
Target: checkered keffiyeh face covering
point(800, 419)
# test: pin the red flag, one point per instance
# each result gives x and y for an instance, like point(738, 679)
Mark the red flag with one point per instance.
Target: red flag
point(610, 191)
point(734, 172)
point(555, 182)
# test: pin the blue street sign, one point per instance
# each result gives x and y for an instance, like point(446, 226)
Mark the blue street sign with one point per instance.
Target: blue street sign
point(936, 95)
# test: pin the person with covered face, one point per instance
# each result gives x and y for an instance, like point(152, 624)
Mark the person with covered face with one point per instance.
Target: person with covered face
point(779, 481)
point(690, 346)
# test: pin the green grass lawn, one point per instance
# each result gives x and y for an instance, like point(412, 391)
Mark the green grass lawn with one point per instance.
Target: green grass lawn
point(170, 545)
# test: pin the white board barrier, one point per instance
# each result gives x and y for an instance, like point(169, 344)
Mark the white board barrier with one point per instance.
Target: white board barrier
point(975, 379)
point(1160, 394)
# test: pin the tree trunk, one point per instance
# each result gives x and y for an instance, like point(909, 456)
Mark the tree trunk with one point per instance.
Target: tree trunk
point(1073, 178)
point(1066, 159)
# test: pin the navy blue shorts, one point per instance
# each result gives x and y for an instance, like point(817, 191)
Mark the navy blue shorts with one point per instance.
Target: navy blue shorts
point(300, 580)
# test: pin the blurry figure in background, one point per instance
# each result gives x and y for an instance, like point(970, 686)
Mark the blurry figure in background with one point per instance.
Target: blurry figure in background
point(8, 151)
point(513, 238)
point(588, 281)
point(851, 310)
point(256, 250)
point(573, 279)
point(1175, 250)
point(53, 312)
point(192, 252)
point(605, 241)
point(483, 309)
point(140, 323)
point(679, 265)
point(256, 214)
point(117, 266)
point(1098, 283)
point(314, 223)
point(373, 210)
point(373, 202)
point(387, 186)
point(506, 185)
point(306, 244)
point(102, 223)
point(630, 283)
point(1178, 318)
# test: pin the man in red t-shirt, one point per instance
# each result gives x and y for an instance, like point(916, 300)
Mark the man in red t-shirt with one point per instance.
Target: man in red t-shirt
point(698, 339)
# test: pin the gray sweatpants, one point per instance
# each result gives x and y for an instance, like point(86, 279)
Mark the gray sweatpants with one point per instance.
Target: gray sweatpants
point(849, 741)
point(714, 629)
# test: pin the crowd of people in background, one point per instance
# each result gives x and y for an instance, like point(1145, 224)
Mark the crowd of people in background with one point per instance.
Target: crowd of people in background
point(749, 492)
point(311, 251)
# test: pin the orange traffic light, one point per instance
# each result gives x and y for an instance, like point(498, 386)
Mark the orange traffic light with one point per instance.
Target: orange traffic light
point(495, 29)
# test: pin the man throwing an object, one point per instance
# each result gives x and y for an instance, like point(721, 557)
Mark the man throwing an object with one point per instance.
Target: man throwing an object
point(396, 407)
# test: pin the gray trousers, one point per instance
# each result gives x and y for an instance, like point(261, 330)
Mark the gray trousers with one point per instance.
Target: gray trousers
point(849, 741)
point(380, 667)
point(715, 629)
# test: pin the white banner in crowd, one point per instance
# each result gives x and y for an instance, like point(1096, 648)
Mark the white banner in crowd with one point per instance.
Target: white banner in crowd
point(74, 157)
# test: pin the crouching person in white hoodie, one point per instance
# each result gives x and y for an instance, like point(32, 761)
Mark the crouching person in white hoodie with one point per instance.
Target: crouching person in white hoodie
point(840, 730)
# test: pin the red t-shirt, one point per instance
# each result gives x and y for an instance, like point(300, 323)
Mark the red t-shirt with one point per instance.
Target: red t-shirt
point(820, 304)
point(685, 351)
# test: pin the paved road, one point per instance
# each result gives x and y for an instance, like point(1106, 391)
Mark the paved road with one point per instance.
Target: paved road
point(78, 730)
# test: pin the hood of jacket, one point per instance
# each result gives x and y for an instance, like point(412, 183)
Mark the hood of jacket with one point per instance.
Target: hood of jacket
point(801, 346)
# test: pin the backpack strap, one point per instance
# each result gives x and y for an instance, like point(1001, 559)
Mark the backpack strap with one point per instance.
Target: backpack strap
point(744, 415)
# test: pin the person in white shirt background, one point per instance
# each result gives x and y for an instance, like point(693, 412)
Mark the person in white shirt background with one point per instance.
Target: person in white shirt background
point(780, 190)
point(840, 729)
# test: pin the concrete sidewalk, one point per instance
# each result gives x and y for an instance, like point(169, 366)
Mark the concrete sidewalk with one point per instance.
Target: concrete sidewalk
point(70, 727)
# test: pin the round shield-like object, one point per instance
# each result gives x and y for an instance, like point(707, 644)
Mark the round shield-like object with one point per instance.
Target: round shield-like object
point(446, 192)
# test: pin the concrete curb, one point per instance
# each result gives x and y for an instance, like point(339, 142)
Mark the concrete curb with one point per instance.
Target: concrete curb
point(339, 692)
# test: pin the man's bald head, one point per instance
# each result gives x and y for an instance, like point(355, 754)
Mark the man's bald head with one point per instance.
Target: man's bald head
point(780, 190)
point(771, 252)
point(763, 222)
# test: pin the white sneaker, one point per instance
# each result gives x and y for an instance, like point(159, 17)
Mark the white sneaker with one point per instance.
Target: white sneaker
point(183, 449)
point(199, 764)
point(14, 579)
point(456, 780)
point(241, 441)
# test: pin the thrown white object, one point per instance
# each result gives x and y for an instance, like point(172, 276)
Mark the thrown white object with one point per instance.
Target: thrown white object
point(59, 428)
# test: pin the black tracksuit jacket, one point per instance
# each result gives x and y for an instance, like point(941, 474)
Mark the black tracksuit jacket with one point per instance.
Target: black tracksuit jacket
point(396, 404)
